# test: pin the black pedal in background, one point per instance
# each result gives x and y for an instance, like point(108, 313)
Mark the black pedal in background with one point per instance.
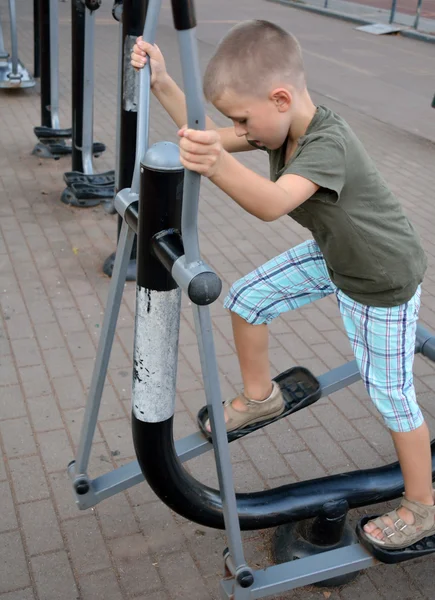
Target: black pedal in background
point(52, 143)
point(83, 195)
point(300, 389)
point(74, 177)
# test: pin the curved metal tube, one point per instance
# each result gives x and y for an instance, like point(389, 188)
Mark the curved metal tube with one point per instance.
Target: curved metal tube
point(154, 445)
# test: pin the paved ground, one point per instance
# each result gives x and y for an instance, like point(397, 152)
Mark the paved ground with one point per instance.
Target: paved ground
point(405, 18)
point(51, 306)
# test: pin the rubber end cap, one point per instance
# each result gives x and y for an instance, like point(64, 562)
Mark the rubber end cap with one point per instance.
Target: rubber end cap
point(81, 487)
point(245, 579)
point(205, 288)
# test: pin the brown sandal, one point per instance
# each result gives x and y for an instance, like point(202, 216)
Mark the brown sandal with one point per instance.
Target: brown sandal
point(256, 410)
point(401, 535)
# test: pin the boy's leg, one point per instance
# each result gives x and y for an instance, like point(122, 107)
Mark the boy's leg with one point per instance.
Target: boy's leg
point(383, 340)
point(294, 278)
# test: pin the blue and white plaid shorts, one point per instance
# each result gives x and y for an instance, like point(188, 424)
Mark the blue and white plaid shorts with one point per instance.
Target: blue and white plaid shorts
point(383, 339)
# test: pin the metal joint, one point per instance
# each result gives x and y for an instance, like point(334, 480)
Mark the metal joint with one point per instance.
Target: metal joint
point(197, 280)
point(123, 200)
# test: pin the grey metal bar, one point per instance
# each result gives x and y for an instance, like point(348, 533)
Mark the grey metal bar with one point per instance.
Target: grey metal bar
point(393, 10)
point(210, 373)
point(425, 343)
point(54, 64)
point(281, 578)
point(128, 475)
point(88, 93)
point(104, 348)
point(118, 108)
point(196, 445)
point(195, 120)
point(14, 38)
point(417, 14)
point(338, 378)
point(142, 138)
point(3, 54)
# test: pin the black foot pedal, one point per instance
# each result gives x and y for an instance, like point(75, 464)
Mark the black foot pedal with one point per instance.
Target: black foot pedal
point(86, 196)
point(73, 177)
point(47, 133)
point(300, 389)
point(422, 548)
point(98, 148)
point(52, 149)
point(110, 262)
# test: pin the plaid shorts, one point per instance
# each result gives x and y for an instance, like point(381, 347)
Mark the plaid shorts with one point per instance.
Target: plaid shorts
point(382, 339)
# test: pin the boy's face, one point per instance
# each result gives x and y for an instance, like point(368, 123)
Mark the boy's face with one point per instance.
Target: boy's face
point(264, 122)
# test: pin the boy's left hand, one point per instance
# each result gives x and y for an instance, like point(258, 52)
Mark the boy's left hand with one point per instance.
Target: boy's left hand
point(201, 151)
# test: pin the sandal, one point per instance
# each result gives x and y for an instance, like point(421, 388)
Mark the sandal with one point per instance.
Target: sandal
point(401, 535)
point(256, 410)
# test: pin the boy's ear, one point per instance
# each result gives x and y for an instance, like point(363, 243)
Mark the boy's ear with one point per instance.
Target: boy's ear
point(282, 99)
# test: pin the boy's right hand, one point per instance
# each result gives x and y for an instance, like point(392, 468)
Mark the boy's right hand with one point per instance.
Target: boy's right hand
point(139, 57)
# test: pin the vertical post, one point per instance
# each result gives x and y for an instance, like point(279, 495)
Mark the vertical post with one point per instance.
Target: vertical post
point(393, 11)
point(133, 20)
point(45, 61)
point(3, 54)
point(417, 14)
point(36, 40)
point(14, 37)
point(78, 67)
point(158, 298)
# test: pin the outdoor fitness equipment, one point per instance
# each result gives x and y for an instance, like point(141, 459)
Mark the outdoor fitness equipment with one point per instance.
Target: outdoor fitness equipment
point(168, 262)
point(51, 139)
point(84, 188)
point(133, 18)
point(13, 74)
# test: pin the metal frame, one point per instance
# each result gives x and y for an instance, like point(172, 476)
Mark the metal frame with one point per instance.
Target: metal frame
point(243, 582)
point(13, 74)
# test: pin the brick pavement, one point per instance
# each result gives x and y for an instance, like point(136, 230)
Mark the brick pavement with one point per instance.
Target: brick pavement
point(52, 299)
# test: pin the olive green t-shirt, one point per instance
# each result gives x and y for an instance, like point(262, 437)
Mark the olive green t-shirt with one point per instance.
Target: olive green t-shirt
point(370, 248)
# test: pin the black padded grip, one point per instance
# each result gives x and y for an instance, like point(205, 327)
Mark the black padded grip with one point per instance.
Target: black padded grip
point(184, 14)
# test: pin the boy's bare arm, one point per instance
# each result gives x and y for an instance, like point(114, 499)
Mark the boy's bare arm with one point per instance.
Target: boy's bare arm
point(172, 98)
point(259, 196)
point(173, 101)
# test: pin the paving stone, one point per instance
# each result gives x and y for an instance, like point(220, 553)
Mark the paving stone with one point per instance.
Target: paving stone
point(39, 522)
point(102, 585)
point(53, 577)
point(55, 450)
point(324, 447)
point(11, 402)
point(28, 479)
point(137, 569)
point(117, 517)
point(35, 381)
point(14, 568)
point(26, 594)
point(17, 437)
point(305, 465)
point(182, 577)
point(334, 422)
point(87, 549)
point(8, 519)
point(159, 528)
point(44, 413)
point(8, 373)
point(49, 336)
point(70, 391)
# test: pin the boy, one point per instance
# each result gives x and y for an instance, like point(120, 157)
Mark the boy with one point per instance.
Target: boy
point(364, 249)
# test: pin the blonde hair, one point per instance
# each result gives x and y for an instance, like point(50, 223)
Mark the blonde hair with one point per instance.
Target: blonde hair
point(253, 56)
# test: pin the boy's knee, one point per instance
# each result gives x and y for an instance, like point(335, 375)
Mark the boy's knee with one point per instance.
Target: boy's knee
point(405, 421)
